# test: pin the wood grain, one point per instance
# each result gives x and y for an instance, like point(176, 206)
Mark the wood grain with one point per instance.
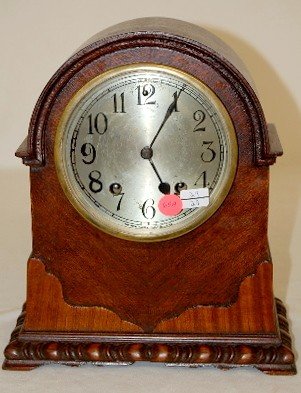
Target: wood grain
point(147, 283)
point(215, 280)
point(23, 354)
point(78, 253)
point(47, 310)
point(50, 312)
point(165, 40)
point(255, 292)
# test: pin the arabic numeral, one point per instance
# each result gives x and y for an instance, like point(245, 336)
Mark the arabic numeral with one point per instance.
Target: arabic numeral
point(145, 92)
point(202, 176)
point(98, 123)
point(199, 116)
point(119, 103)
point(148, 209)
point(209, 154)
point(95, 184)
point(89, 152)
point(121, 195)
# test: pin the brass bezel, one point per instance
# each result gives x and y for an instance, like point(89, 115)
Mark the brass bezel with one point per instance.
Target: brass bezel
point(145, 235)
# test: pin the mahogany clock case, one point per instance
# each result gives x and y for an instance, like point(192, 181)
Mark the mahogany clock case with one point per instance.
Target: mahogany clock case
point(203, 298)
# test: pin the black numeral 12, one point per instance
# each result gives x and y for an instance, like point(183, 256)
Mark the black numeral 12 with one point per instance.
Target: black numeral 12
point(145, 92)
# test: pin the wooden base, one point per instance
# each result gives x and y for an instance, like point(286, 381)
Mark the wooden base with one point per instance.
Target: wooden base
point(26, 355)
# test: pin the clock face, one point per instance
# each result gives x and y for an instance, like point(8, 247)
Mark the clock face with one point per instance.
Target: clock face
point(140, 133)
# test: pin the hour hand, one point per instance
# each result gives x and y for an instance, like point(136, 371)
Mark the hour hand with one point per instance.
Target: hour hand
point(163, 187)
point(147, 153)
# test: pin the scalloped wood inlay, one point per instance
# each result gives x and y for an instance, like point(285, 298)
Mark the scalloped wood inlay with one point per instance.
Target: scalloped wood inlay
point(50, 312)
point(240, 316)
point(45, 314)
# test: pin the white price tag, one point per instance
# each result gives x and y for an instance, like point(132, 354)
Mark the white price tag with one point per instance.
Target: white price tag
point(195, 197)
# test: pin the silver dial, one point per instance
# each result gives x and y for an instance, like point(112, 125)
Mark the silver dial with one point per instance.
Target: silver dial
point(135, 134)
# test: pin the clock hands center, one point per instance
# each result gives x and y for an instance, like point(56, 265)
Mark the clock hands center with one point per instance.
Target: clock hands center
point(147, 151)
point(147, 154)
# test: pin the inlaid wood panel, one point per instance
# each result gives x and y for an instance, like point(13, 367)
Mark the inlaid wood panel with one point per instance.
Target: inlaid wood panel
point(255, 292)
point(48, 311)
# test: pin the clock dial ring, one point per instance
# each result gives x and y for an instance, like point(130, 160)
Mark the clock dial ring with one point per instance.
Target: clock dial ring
point(179, 83)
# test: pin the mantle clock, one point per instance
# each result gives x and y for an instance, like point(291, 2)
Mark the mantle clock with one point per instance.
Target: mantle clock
point(149, 161)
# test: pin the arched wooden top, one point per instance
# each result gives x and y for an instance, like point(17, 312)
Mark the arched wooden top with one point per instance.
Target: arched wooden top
point(175, 35)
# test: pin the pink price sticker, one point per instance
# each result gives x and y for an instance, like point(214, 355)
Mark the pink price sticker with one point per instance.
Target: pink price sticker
point(170, 205)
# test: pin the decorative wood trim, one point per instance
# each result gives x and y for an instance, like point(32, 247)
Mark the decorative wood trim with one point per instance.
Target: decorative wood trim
point(93, 298)
point(22, 150)
point(238, 316)
point(62, 316)
point(275, 148)
point(146, 338)
point(278, 360)
point(120, 42)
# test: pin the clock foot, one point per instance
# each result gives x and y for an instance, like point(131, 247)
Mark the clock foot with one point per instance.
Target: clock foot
point(274, 360)
point(289, 370)
point(12, 366)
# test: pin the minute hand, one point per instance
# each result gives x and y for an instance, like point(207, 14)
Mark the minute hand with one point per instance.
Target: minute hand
point(169, 111)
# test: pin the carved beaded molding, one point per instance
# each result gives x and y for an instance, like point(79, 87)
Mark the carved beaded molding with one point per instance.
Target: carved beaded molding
point(272, 359)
